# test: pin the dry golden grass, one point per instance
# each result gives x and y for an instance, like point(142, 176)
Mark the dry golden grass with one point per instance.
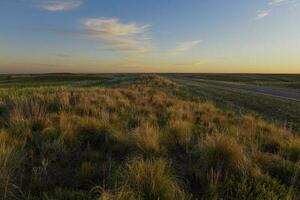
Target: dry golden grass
point(151, 179)
point(139, 142)
point(223, 154)
point(146, 138)
point(10, 160)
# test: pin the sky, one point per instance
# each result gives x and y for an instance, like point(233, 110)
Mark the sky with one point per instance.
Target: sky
point(103, 36)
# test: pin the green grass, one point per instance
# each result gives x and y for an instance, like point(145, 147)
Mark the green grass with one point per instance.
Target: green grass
point(138, 137)
point(75, 80)
point(282, 81)
point(275, 110)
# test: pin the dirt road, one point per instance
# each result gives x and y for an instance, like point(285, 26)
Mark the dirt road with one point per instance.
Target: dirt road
point(251, 88)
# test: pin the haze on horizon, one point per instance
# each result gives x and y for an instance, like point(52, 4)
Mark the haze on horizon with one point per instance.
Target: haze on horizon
point(95, 36)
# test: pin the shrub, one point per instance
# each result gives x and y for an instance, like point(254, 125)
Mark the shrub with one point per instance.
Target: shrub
point(28, 113)
point(270, 144)
point(285, 171)
point(292, 150)
point(146, 138)
point(89, 132)
point(152, 179)
point(224, 154)
point(178, 135)
point(133, 122)
point(87, 174)
point(259, 188)
point(10, 161)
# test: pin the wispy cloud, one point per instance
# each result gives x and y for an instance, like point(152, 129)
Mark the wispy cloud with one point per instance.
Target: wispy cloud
point(262, 14)
point(58, 5)
point(129, 37)
point(111, 27)
point(185, 46)
point(278, 2)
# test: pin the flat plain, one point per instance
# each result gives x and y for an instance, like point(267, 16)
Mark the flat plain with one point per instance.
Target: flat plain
point(274, 97)
point(141, 136)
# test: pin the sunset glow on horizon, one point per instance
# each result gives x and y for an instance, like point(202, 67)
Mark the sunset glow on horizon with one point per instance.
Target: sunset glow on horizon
point(91, 36)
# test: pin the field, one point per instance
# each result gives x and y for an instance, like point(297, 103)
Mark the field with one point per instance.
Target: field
point(284, 111)
point(152, 137)
point(286, 81)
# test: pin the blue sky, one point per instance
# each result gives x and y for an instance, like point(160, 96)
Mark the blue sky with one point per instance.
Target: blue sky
point(261, 36)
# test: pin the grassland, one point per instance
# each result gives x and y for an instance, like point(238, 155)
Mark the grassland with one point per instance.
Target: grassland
point(283, 81)
point(273, 109)
point(134, 137)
